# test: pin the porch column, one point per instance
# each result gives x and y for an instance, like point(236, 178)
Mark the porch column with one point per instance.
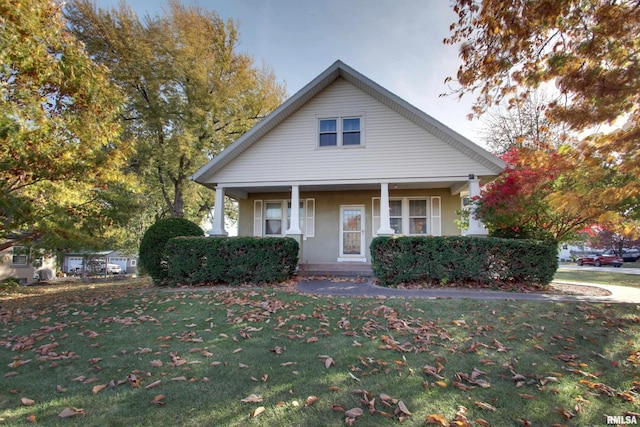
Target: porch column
point(218, 214)
point(385, 221)
point(476, 227)
point(294, 228)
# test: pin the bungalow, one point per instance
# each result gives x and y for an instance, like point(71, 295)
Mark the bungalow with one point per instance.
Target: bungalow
point(356, 162)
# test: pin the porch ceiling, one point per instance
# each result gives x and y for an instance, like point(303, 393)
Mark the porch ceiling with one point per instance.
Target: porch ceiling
point(243, 191)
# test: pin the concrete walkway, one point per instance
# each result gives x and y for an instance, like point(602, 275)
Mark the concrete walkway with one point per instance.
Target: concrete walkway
point(619, 294)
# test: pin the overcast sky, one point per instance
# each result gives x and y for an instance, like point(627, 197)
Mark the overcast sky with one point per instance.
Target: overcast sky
point(396, 43)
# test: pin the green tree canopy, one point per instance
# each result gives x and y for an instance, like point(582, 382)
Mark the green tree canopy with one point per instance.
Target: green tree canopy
point(61, 182)
point(189, 93)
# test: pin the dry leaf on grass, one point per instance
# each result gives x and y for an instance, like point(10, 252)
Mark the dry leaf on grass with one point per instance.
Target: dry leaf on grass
point(257, 411)
point(311, 400)
point(437, 419)
point(27, 402)
point(71, 412)
point(252, 398)
point(98, 388)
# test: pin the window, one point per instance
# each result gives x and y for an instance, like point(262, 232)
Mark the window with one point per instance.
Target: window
point(418, 217)
point(275, 219)
point(351, 131)
point(395, 214)
point(409, 215)
point(328, 133)
point(340, 132)
point(19, 255)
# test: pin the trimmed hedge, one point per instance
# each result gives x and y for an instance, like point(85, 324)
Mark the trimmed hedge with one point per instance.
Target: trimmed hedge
point(231, 260)
point(152, 258)
point(443, 260)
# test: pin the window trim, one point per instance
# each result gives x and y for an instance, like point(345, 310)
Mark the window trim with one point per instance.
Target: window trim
point(339, 118)
point(15, 253)
point(307, 217)
point(433, 219)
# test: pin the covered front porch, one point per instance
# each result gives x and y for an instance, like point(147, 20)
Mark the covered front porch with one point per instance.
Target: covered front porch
point(336, 222)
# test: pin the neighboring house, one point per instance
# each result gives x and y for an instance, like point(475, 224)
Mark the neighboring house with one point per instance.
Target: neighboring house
point(19, 263)
point(356, 162)
point(73, 261)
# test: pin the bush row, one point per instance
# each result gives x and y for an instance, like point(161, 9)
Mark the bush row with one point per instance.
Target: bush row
point(442, 260)
point(230, 260)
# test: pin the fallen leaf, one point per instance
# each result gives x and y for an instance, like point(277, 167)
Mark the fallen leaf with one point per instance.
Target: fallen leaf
point(158, 399)
point(257, 411)
point(252, 398)
point(354, 413)
point(237, 350)
point(98, 388)
point(483, 405)
point(180, 378)
point(329, 362)
point(311, 400)
point(153, 384)
point(438, 419)
point(30, 418)
point(403, 408)
point(27, 402)
point(157, 363)
point(481, 422)
point(71, 412)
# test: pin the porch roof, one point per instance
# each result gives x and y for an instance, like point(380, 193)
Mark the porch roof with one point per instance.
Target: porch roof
point(455, 184)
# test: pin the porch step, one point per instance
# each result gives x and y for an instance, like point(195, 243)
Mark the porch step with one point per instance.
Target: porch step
point(339, 269)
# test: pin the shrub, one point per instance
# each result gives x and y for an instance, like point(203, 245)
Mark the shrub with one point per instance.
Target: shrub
point(462, 259)
point(152, 258)
point(9, 285)
point(231, 260)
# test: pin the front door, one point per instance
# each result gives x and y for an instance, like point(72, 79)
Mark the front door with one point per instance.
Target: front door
point(352, 242)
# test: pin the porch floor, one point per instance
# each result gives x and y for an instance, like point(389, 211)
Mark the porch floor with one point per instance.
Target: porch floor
point(339, 269)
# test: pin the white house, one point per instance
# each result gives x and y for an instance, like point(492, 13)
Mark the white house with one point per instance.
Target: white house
point(356, 162)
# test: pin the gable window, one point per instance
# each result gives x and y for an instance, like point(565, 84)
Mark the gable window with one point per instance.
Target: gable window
point(19, 256)
point(415, 216)
point(340, 132)
point(351, 131)
point(328, 133)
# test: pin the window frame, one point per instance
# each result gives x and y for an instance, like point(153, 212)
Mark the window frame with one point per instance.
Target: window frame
point(307, 217)
point(433, 226)
point(340, 130)
point(19, 252)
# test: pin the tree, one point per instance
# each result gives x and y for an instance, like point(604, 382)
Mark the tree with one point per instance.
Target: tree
point(523, 123)
point(190, 94)
point(519, 203)
point(61, 182)
point(589, 50)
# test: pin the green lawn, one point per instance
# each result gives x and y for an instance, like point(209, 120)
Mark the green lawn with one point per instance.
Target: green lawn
point(601, 277)
point(130, 355)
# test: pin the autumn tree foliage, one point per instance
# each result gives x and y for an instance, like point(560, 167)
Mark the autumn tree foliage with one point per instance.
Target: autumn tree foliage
point(519, 203)
point(61, 178)
point(589, 52)
point(190, 93)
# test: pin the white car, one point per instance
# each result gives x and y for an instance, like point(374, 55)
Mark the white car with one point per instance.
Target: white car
point(112, 268)
point(97, 267)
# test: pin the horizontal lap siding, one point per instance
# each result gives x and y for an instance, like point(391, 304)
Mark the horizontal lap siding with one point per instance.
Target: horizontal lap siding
point(394, 146)
point(324, 246)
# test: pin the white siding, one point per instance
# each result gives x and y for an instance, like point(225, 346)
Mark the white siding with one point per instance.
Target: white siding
point(394, 147)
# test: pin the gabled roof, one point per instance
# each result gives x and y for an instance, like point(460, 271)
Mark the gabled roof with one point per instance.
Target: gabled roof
point(340, 70)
